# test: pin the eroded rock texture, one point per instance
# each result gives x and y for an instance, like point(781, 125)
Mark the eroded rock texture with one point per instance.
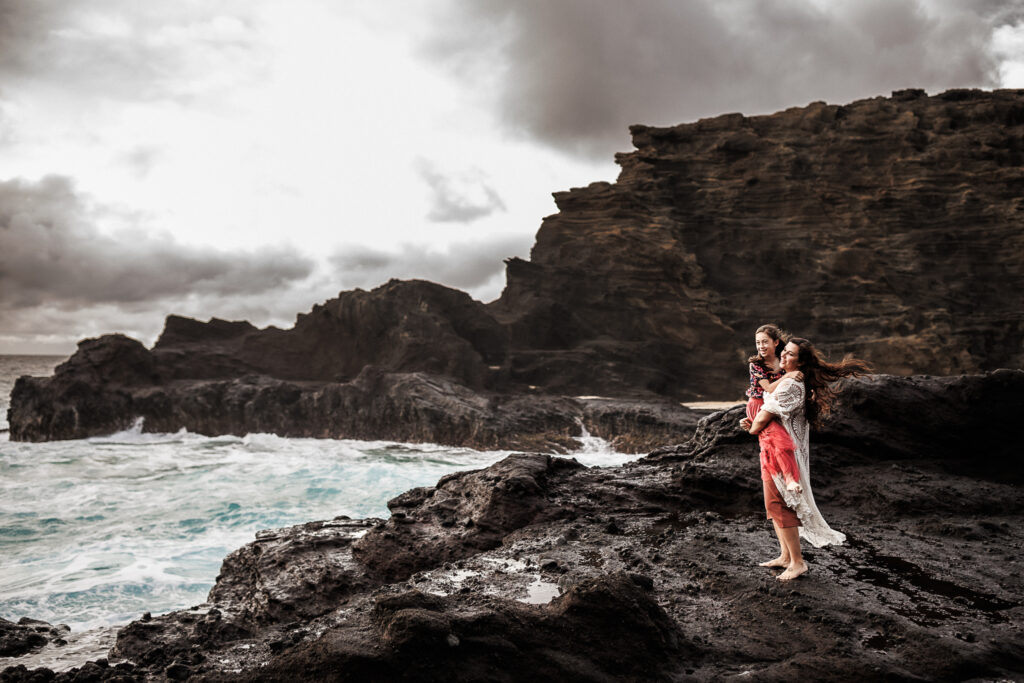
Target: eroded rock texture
point(892, 228)
point(27, 635)
point(114, 381)
point(412, 326)
point(467, 512)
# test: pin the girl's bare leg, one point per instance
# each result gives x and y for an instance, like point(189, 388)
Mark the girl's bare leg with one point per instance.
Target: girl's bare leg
point(790, 537)
point(783, 559)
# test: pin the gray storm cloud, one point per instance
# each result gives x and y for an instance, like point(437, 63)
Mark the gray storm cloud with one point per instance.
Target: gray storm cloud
point(467, 266)
point(124, 49)
point(575, 73)
point(459, 197)
point(52, 253)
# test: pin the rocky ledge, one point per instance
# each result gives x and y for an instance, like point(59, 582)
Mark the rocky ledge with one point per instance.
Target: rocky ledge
point(28, 635)
point(114, 381)
point(539, 567)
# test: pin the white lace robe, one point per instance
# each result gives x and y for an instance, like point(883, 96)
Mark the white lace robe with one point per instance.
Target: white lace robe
point(787, 403)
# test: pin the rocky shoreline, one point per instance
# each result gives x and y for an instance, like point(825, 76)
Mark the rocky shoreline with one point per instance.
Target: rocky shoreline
point(114, 381)
point(645, 571)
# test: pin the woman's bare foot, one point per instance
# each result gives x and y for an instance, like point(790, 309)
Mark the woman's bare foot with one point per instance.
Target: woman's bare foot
point(793, 572)
point(780, 561)
point(795, 487)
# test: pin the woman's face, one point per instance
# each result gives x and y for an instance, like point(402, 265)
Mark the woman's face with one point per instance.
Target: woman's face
point(765, 345)
point(789, 355)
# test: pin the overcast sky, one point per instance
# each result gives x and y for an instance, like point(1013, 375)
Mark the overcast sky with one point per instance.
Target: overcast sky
point(249, 158)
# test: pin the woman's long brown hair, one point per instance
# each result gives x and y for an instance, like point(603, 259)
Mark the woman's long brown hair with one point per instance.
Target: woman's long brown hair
point(819, 375)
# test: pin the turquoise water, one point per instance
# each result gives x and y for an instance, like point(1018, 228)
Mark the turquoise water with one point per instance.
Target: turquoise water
point(97, 531)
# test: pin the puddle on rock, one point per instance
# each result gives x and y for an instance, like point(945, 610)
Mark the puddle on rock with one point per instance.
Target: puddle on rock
point(540, 592)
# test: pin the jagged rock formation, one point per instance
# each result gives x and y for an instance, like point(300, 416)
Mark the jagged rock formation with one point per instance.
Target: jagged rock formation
point(400, 327)
point(537, 567)
point(466, 513)
point(27, 635)
point(113, 381)
point(892, 228)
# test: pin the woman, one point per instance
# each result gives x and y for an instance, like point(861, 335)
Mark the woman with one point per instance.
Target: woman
point(778, 454)
point(798, 405)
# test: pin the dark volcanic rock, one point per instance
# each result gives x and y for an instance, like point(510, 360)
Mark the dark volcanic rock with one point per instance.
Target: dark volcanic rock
point(466, 512)
point(89, 394)
point(424, 637)
point(947, 421)
point(411, 326)
point(290, 574)
point(649, 571)
point(285, 576)
point(887, 227)
point(80, 401)
point(27, 635)
point(364, 365)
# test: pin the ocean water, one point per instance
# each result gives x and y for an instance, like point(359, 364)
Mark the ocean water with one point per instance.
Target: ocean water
point(95, 532)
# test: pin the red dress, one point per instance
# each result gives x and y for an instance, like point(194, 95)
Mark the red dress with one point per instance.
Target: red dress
point(778, 454)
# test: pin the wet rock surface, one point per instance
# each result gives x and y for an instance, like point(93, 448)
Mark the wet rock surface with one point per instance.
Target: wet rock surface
point(646, 571)
point(467, 512)
point(28, 635)
point(428, 637)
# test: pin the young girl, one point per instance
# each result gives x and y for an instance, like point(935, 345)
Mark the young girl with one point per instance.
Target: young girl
point(778, 455)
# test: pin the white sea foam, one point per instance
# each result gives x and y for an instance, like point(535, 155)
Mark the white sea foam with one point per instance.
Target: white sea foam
point(597, 452)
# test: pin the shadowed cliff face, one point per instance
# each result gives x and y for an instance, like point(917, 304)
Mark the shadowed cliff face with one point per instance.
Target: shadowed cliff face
point(113, 381)
point(892, 228)
point(412, 326)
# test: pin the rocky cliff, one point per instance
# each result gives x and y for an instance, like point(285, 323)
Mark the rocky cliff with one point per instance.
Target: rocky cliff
point(206, 377)
point(892, 228)
point(539, 568)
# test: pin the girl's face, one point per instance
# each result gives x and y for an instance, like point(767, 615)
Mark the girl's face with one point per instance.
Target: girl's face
point(789, 356)
point(765, 345)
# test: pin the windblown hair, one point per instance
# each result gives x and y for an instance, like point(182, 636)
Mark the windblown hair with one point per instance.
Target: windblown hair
point(776, 335)
point(819, 375)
